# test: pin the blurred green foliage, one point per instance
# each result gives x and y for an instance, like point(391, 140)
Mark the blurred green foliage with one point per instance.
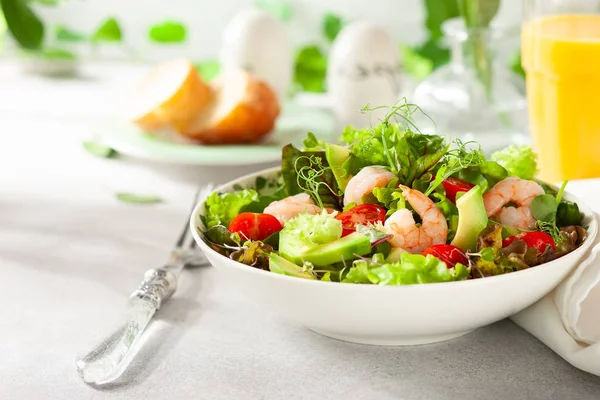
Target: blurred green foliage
point(108, 31)
point(168, 32)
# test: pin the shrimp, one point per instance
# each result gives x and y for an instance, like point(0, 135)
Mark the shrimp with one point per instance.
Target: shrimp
point(291, 206)
point(516, 190)
point(364, 182)
point(409, 236)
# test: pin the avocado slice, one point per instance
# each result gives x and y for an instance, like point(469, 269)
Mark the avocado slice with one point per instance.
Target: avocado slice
point(282, 266)
point(336, 156)
point(292, 247)
point(343, 249)
point(472, 219)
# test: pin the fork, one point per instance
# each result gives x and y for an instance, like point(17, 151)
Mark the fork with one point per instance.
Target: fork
point(109, 359)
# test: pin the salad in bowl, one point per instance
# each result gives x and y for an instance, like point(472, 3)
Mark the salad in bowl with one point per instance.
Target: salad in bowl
point(390, 205)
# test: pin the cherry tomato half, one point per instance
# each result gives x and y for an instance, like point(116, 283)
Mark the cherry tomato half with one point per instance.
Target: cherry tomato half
point(362, 214)
point(455, 185)
point(255, 226)
point(537, 240)
point(449, 254)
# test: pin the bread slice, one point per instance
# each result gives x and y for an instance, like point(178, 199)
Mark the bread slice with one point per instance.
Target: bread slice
point(244, 110)
point(170, 96)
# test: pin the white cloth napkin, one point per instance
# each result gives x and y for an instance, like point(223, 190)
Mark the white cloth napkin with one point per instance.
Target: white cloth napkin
point(568, 319)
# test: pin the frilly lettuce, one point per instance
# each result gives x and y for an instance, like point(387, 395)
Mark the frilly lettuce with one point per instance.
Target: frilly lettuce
point(314, 229)
point(390, 197)
point(412, 269)
point(520, 161)
point(221, 208)
point(409, 155)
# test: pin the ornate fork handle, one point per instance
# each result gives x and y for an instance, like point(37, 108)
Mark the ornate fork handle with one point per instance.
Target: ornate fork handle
point(158, 285)
point(110, 358)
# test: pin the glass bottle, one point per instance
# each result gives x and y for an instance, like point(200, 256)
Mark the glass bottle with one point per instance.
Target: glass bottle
point(474, 96)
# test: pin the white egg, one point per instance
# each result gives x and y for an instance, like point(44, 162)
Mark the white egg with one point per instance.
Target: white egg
point(364, 68)
point(258, 43)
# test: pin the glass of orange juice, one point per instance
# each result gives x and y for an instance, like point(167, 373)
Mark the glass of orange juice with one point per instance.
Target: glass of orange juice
point(561, 58)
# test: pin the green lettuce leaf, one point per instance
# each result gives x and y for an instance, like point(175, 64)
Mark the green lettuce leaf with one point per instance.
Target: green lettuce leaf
point(485, 175)
point(390, 197)
point(520, 161)
point(221, 208)
point(409, 155)
point(412, 269)
point(312, 143)
point(450, 211)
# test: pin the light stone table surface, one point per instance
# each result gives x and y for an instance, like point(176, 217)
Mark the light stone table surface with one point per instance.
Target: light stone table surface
point(70, 254)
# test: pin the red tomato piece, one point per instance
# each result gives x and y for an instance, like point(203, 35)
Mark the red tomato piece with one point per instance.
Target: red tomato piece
point(537, 240)
point(449, 254)
point(255, 226)
point(362, 214)
point(455, 185)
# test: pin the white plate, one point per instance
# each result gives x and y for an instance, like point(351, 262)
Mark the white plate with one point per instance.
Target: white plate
point(291, 127)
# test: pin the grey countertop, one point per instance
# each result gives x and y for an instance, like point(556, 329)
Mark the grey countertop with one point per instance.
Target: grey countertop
point(209, 343)
point(70, 255)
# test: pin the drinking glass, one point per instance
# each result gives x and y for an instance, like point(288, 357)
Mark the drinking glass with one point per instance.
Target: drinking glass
point(561, 57)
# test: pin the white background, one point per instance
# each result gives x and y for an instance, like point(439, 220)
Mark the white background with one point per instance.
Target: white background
point(206, 19)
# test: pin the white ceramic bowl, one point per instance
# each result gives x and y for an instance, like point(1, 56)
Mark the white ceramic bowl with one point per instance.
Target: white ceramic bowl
point(393, 315)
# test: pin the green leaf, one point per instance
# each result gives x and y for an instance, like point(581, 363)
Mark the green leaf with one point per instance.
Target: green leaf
point(167, 32)
point(520, 161)
point(47, 2)
point(309, 172)
point(412, 269)
point(51, 54)
point(409, 155)
point(133, 198)
point(435, 50)
point(437, 12)
point(568, 214)
point(310, 69)
point(390, 197)
point(313, 143)
point(543, 208)
point(280, 9)
point(516, 64)
point(208, 69)
point(332, 25)
point(415, 64)
point(478, 13)
point(64, 34)
point(23, 24)
point(561, 191)
point(99, 150)
point(219, 235)
point(3, 30)
point(221, 208)
point(108, 31)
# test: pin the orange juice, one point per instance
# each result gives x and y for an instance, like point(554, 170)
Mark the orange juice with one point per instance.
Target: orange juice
point(561, 56)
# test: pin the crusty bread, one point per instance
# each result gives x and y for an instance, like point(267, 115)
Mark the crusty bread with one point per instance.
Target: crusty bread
point(172, 95)
point(244, 110)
